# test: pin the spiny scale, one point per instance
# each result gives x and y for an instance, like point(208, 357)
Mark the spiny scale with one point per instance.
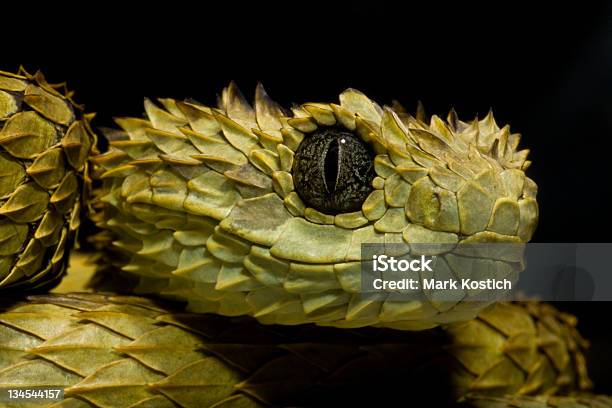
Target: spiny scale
point(45, 141)
point(109, 350)
point(201, 205)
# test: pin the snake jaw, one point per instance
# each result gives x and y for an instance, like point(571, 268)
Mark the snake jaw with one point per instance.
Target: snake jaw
point(203, 205)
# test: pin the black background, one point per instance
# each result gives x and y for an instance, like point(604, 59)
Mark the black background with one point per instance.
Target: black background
point(546, 70)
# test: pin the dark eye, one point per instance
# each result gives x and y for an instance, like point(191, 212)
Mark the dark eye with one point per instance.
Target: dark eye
point(333, 171)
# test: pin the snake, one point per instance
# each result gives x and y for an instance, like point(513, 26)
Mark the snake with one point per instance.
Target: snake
point(257, 211)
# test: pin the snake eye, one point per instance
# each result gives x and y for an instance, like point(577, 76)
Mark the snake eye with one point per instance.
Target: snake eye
point(333, 171)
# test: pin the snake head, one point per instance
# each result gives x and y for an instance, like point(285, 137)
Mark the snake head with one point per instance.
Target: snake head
point(267, 208)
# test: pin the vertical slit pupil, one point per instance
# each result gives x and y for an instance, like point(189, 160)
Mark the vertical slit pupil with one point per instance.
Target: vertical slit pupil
point(332, 171)
point(331, 166)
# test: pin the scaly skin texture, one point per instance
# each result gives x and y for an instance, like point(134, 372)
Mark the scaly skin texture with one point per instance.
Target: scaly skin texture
point(109, 350)
point(199, 205)
point(45, 141)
